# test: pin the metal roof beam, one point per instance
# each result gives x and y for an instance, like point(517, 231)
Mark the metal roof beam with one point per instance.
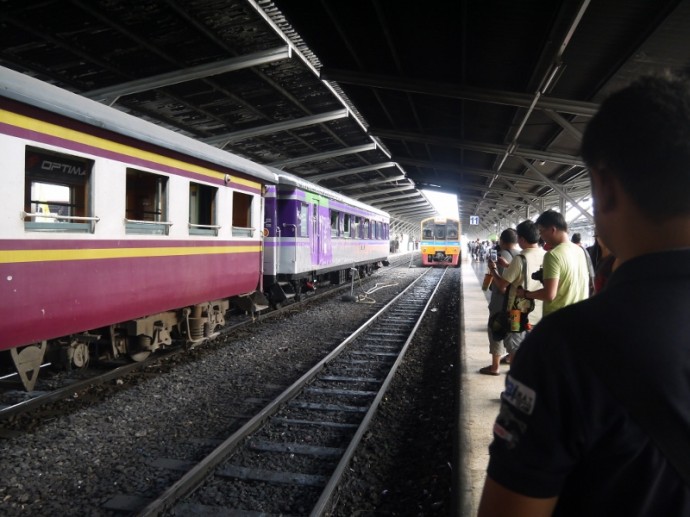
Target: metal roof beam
point(558, 189)
point(466, 170)
point(419, 212)
point(402, 211)
point(414, 219)
point(404, 203)
point(189, 74)
point(434, 88)
point(531, 154)
point(370, 183)
point(285, 125)
point(565, 124)
point(393, 198)
point(324, 156)
point(378, 193)
point(316, 178)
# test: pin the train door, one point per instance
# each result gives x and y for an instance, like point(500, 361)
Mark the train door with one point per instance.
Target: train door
point(320, 234)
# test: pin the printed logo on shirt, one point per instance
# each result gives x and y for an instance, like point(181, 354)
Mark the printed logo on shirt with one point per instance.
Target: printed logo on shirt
point(508, 427)
point(503, 433)
point(520, 396)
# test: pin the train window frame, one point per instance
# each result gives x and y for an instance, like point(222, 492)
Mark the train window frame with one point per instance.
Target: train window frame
point(144, 189)
point(428, 228)
point(335, 223)
point(355, 227)
point(51, 173)
point(242, 214)
point(346, 226)
point(202, 209)
point(303, 216)
point(452, 230)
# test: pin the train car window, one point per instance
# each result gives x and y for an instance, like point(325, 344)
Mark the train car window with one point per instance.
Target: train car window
point(57, 192)
point(346, 225)
point(202, 209)
point(146, 203)
point(366, 231)
point(335, 220)
point(440, 232)
point(452, 230)
point(304, 220)
point(428, 230)
point(242, 215)
point(356, 228)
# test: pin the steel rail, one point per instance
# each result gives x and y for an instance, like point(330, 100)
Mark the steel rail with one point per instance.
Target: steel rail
point(196, 476)
point(322, 504)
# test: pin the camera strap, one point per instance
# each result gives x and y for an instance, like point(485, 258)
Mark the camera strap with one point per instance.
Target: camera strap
point(523, 284)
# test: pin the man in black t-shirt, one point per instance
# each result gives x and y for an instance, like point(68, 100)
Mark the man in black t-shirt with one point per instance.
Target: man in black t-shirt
point(594, 381)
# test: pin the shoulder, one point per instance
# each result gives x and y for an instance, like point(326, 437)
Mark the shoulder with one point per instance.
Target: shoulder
point(514, 269)
point(533, 254)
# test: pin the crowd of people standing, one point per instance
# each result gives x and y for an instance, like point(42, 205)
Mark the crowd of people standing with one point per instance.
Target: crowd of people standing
point(593, 417)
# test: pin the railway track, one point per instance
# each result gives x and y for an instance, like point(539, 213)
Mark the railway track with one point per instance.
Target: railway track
point(289, 458)
point(14, 400)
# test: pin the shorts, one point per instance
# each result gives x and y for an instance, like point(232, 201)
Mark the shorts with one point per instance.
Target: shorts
point(495, 347)
point(513, 340)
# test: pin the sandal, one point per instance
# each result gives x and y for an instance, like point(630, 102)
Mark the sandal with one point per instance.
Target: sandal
point(505, 359)
point(488, 371)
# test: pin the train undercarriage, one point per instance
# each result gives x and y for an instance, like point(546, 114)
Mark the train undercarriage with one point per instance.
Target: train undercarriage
point(134, 339)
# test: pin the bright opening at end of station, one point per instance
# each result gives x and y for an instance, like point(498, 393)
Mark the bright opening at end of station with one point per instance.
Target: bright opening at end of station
point(445, 204)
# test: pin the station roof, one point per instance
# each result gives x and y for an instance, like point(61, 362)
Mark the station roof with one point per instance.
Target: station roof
point(375, 99)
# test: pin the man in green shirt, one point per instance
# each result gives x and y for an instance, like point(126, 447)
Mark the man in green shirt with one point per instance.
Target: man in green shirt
point(566, 273)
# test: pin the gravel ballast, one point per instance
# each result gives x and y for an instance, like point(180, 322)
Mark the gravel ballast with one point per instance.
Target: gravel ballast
point(74, 456)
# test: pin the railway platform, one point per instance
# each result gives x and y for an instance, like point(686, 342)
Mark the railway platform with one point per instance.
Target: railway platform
point(480, 393)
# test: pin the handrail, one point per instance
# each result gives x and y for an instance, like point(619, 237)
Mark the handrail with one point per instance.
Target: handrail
point(137, 221)
point(247, 229)
point(24, 215)
point(210, 226)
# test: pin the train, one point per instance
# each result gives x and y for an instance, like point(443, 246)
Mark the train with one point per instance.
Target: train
point(314, 235)
point(120, 236)
point(440, 244)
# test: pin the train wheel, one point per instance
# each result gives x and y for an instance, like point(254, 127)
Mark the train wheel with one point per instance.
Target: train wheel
point(138, 357)
point(79, 354)
point(140, 348)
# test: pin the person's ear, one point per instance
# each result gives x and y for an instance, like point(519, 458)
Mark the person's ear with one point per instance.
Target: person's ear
point(604, 189)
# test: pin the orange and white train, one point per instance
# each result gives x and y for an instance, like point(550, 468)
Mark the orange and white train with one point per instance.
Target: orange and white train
point(440, 244)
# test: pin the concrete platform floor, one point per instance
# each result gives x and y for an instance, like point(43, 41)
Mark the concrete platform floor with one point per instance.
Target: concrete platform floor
point(480, 392)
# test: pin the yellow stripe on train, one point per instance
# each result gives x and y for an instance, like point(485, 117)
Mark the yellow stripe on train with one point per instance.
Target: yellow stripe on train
point(64, 255)
point(73, 135)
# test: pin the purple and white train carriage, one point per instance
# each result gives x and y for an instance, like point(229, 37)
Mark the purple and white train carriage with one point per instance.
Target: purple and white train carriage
point(118, 236)
point(115, 234)
point(315, 235)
